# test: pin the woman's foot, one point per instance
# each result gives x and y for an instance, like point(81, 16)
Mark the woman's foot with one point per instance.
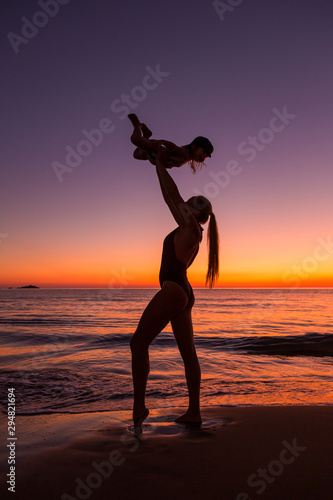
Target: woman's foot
point(192, 419)
point(138, 420)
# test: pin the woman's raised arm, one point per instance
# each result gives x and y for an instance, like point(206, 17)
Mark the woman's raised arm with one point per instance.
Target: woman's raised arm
point(180, 211)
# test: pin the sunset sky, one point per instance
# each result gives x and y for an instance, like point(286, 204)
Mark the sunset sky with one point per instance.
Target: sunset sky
point(255, 79)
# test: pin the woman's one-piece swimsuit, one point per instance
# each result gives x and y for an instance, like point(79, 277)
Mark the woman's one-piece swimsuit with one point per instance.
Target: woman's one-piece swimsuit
point(173, 269)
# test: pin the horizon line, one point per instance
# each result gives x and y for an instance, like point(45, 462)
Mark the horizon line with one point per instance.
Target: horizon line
point(158, 288)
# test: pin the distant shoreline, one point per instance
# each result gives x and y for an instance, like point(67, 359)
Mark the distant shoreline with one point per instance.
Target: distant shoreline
point(28, 286)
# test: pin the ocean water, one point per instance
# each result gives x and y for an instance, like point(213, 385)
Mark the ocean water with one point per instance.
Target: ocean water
point(68, 350)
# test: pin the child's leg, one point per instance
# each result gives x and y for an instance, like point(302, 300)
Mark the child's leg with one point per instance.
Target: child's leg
point(141, 142)
point(139, 154)
point(145, 131)
point(137, 124)
point(141, 134)
point(134, 120)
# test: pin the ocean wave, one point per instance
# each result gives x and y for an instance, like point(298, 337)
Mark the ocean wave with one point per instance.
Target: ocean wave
point(310, 344)
point(68, 321)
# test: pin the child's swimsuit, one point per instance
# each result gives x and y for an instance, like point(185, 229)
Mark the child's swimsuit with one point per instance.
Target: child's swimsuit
point(173, 161)
point(173, 269)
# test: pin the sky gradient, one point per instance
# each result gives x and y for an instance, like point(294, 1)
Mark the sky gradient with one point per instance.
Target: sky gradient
point(256, 80)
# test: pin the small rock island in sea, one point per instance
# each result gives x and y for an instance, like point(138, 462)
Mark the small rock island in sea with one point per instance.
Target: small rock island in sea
point(29, 286)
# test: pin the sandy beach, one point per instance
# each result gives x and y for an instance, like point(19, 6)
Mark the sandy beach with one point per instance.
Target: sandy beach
point(240, 453)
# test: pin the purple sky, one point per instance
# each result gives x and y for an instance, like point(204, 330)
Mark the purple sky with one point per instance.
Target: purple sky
point(220, 79)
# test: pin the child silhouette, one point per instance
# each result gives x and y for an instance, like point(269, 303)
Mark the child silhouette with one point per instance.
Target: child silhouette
point(194, 153)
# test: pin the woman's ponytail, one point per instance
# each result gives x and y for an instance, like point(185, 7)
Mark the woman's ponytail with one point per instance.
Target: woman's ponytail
point(213, 251)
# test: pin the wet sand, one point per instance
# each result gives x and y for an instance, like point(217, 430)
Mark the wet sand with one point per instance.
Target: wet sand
point(240, 453)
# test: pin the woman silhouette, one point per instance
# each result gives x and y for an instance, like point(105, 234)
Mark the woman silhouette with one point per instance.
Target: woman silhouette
point(175, 299)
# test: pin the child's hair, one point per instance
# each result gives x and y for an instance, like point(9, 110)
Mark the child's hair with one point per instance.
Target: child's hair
point(195, 165)
point(200, 142)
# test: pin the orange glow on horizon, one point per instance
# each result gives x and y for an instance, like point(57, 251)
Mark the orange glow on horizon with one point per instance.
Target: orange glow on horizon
point(139, 268)
point(227, 281)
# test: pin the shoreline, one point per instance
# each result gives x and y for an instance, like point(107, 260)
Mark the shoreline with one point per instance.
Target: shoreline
point(242, 453)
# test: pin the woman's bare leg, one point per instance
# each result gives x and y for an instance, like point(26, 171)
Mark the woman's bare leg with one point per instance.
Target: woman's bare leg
point(183, 330)
point(168, 302)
